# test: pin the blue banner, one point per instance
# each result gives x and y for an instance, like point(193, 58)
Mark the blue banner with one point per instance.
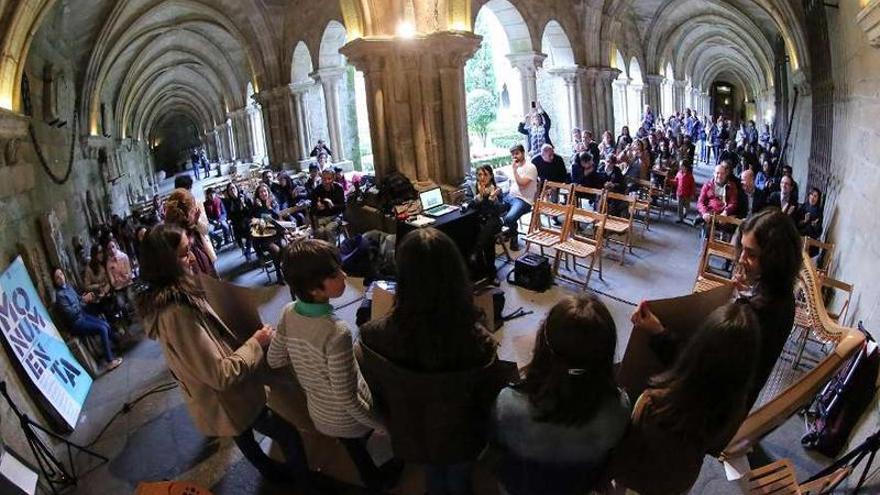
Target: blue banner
point(34, 342)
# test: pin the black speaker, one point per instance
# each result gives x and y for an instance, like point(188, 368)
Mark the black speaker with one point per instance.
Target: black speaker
point(532, 271)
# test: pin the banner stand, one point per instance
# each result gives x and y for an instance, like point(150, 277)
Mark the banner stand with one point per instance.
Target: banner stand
point(52, 470)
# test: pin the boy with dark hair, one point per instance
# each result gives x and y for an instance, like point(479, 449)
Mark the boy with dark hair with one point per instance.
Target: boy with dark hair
point(319, 346)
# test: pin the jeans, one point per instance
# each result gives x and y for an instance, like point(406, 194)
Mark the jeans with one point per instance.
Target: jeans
point(449, 479)
point(518, 208)
point(91, 325)
point(357, 450)
point(272, 425)
point(683, 204)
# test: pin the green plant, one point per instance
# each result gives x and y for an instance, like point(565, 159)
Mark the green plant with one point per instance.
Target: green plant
point(482, 110)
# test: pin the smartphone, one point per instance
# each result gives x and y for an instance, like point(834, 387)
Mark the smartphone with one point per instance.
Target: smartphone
point(534, 105)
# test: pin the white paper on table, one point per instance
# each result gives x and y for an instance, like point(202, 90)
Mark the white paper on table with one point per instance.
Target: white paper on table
point(736, 468)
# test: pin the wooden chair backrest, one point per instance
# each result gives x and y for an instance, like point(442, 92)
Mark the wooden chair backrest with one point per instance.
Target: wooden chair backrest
point(561, 188)
point(599, 194)
point(629, 200)
point(847, 289)
point(723, 220)
point(582, 216)
point(548, 208)
point(777, 478)
point(773, 413)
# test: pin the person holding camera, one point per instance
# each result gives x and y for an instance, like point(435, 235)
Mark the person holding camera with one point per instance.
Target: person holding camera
point(536, 126)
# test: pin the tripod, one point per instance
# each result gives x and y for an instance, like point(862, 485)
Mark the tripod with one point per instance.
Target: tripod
point(850, 461)
point(52, 469)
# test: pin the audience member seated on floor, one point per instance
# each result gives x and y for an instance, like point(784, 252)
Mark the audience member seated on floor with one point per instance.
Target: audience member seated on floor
point(97, 282)
point(536, 127)
point(264, 209)
point(319, 347)
point(764, 178)
point(769, 260)
point(522, 193)
point(810, 215)
point(69, 305)
point(607, 146)
point(328, 204)
point(550, 165)
point(751, 199)
point(181, 209)
point(785, 199)
point(320, 148)
point(238, 208)
point(283, 191)
point(202, 226)
point(339, 177)
point(487, 204)
point(718, 195)
point(314, 178)
point(221, 379)
point(554, 431)
point(431, 364)
point(685, 189)
point(693, 409)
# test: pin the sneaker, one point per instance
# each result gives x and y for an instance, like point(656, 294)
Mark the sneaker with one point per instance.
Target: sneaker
point(112, 365)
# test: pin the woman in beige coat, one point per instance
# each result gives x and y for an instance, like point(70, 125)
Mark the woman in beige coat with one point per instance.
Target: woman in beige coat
point(220, 377)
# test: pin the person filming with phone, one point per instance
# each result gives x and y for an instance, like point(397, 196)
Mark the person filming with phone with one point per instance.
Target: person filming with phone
point(536, 126)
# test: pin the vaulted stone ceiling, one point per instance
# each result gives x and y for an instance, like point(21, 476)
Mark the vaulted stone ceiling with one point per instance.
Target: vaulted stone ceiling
point(142, 59)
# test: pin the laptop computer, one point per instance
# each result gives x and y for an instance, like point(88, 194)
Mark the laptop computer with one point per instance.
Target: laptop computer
point(432, 203)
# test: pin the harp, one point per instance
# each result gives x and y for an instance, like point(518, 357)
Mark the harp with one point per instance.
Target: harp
point(846, 342)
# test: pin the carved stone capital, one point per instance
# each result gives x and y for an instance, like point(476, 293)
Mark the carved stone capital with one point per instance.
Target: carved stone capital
point(528, 62)
point(654, 80)
point(92, 146)
point(607, 74)
point(568, 74)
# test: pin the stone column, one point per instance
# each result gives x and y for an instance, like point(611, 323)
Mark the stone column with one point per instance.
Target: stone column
point(569, 76)
point(636, 106)
point(621, 86)
point(589, 105)
point(653, 91)
point(416, 103)
point(678, 96)
point(330, 79)
point(276, 122)
point(224, 148)
point(242, 137)
point(605, 99)
point(527, 64)
point(298, 93)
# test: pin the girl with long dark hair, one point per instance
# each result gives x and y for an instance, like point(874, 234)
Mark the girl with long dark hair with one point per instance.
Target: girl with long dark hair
point(769, 250)
point(553, 432)
point(219, 375)
point(487, 203)
point(694, 408)
point(431, 365)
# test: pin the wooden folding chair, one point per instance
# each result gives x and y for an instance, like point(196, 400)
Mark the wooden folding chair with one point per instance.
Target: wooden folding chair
point(617, 225)
point(779, 478)
point(723, 228)
point(556, 192)
point(804, 321)
point(715, 247)
point(581, 194)
point(578, 245)
point(648, 195)
point(549, 235)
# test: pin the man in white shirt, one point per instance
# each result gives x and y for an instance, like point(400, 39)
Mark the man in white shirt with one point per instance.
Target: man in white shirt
point(523, 189)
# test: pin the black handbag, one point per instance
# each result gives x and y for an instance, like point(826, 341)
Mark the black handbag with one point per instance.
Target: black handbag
point(834, 412)
point(532, 272)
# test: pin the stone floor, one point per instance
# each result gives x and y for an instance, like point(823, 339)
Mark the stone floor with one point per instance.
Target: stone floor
point(157, 440)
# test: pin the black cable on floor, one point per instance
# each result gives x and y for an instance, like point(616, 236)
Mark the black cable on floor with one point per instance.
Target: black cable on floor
point(128, 406)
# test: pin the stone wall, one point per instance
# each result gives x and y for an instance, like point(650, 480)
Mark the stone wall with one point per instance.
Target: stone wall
point(103, 174)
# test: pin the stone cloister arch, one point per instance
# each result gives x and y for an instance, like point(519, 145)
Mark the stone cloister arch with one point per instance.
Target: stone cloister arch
point(559, 80)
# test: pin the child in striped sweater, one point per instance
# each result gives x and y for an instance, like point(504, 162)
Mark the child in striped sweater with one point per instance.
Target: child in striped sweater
point(319, 347)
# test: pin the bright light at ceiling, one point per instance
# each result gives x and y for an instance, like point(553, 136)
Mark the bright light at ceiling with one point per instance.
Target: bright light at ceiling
point(459, 26)
point(406, 29)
